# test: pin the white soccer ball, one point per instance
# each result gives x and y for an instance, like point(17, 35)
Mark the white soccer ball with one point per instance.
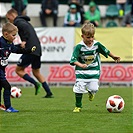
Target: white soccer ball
point(115, 103)
point(15, 92)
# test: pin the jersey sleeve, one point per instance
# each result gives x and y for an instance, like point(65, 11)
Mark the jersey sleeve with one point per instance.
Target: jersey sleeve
point(103, 50)
point(18, 50)
point(75, 55)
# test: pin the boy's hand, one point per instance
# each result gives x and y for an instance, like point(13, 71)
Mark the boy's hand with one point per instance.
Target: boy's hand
point(33, 48)
point(84, 66)
point(117, 59)
point(80, 64)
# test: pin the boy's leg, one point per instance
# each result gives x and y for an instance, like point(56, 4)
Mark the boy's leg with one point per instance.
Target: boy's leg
point(91, 95)
point(78, 104)
point(2, 107)
point(41, 79)
point(79, 88)
point(6, 95)
point(20, 71)
point(78, 97)
point(36, 65)
point(92, 89)
point(25, 61)
point(31, 80)
point(47, 89)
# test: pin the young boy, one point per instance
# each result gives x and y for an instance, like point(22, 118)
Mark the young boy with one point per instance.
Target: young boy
point(29, 38)
point(7, 47)
point(87, 63)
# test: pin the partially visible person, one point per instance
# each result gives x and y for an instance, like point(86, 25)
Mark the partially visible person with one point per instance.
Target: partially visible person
point(29, 38)
point(86, 59)
point(121, 7)
point(93, 14)
point(49, 8)
point(128, 19)
point(7, 47)
point(20, 6)
point(80, 7)
point(72, 17)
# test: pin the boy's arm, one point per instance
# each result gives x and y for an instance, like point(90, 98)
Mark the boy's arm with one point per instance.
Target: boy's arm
point(20, 50)
point(26, 51)
point(21, 45)
point(80, 64)
point(115, 58)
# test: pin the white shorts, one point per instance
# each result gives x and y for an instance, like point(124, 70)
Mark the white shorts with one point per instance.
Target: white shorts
point(84, 87)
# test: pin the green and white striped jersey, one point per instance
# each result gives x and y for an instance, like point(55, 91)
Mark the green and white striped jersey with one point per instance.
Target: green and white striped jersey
point(90, 56)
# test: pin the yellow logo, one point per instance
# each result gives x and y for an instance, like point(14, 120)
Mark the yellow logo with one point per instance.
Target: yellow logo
point(89, 59)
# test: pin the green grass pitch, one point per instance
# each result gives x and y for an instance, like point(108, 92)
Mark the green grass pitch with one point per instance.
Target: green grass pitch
point(54, 115)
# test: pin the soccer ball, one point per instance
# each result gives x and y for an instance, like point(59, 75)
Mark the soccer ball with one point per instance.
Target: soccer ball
point(15, 92)
point(115, 103)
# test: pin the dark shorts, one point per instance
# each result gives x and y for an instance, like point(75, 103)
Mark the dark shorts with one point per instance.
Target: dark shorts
point(29, 59)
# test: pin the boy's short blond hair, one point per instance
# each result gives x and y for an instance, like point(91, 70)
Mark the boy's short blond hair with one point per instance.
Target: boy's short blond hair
point(88, 29)
point(12, 11)
point(9, 27)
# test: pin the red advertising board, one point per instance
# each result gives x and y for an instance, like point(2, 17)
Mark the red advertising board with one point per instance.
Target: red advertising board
point(63, 74)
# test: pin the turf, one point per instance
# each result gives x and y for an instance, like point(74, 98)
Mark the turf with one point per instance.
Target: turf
point(54, 115)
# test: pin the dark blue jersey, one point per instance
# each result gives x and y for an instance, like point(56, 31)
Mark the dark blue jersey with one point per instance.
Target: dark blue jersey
point(6, 48)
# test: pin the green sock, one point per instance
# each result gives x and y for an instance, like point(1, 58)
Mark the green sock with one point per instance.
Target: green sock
point(78, 97)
